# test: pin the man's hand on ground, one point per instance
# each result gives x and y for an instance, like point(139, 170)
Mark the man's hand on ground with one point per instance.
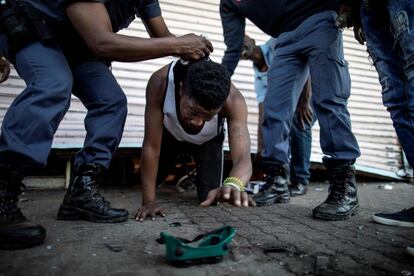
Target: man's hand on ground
point(4, 69)
point(229, 195)
point(149, 210)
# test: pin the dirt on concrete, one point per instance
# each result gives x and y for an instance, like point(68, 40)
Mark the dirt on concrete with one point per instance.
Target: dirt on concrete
point(282, 239)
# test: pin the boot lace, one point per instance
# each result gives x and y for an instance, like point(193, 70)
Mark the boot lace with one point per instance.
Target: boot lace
point(94, 193)
point(338, 186)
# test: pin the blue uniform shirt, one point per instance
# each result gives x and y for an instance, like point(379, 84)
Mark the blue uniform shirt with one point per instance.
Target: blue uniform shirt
point(121, 12)
point(271, 16)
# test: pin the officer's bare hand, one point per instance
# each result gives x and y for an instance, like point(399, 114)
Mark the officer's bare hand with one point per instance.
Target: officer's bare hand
point(230, 195)
point(359, 34)
point(305, 115)
point(150, 209)
point(4, 69)
point(194, 47)
point(344, 19)
point(249, 45)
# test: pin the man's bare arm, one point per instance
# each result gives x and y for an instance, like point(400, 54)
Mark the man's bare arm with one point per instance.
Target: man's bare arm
point(93, 23)
point(235, 110)
point(156, 27)
point(152, 144)
point(239, 139)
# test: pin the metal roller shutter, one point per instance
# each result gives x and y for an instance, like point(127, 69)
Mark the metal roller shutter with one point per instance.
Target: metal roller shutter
point(381, 152)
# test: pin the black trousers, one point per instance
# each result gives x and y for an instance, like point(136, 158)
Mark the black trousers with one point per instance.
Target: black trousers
point(208, 158)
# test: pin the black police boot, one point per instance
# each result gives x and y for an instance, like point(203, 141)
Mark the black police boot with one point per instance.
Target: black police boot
point(297, 188)
point(16, 232)
point(277, 182)
point(83, 201)
point(342, 200)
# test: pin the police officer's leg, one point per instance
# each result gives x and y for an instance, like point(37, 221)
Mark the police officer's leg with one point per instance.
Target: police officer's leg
point(27, 133)
point(106, 103)
point(331, 90)
point(286, 77)
point(209, 161)
point(33, 117)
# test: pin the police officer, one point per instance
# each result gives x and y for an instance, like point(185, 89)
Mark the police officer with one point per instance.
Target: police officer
point(309, 42)
point(59, 47)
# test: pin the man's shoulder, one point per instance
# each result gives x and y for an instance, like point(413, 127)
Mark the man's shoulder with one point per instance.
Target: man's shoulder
point(234, 103)
point(160, 77)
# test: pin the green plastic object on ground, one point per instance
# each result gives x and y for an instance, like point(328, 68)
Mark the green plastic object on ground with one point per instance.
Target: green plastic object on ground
point(205, 248)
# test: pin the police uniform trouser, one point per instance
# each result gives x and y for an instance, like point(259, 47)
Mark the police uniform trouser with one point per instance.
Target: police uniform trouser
point(34, 116)
point(315, 48)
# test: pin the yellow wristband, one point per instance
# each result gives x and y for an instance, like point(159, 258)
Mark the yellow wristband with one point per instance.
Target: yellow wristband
point(234, 182)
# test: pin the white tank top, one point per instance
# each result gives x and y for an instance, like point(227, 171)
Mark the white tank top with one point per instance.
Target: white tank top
point(172, 124)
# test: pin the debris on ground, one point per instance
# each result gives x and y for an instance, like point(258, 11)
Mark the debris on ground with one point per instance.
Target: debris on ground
point(254, 187)
point(321, 264)
point(276, 249)
point(175, 224)
point(385, 187)
point(114, 248)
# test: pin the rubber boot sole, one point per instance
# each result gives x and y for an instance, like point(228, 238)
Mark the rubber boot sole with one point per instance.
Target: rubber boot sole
point(22, 243)
point(277, 199)
point(332, 217)
point(73, 213)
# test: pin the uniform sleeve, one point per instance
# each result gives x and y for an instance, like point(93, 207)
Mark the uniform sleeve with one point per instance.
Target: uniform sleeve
point(233, 31)
point(149, 9)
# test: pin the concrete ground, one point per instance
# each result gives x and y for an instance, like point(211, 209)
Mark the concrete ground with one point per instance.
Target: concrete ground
point(298, 243)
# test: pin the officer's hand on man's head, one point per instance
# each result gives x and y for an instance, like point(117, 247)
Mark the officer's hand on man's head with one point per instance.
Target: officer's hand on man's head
point(4, 69)
point(194, 47)
point(229, 195)
point(150, 209)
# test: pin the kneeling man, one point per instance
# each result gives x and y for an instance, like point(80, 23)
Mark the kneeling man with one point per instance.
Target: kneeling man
point(185, 113)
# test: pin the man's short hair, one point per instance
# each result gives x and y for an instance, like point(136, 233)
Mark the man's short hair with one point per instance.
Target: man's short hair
point(208, 83)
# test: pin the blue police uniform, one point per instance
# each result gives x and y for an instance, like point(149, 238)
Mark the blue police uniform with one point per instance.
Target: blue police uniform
point(308, 43)
point(52, 72)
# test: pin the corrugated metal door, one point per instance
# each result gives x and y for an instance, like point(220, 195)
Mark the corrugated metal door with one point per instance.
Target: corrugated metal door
point(371, 123)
